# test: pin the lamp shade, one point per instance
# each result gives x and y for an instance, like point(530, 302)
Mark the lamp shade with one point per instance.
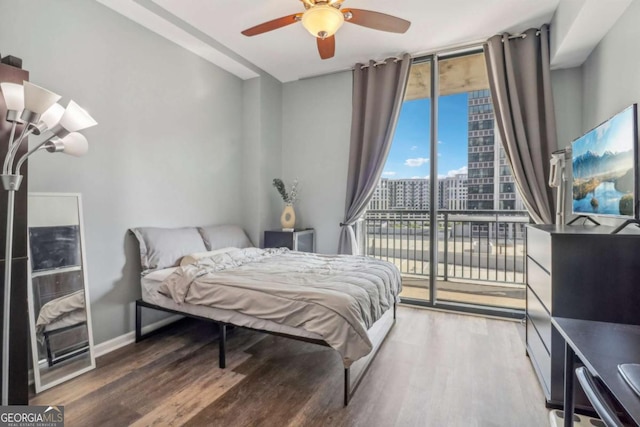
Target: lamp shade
point(75, 118)
point(75, 144)
point(322, 20)
point(52, 116)
point(13, 96)
point(37, 99)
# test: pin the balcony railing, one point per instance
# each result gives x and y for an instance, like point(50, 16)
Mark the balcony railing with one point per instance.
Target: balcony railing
point(487, 246)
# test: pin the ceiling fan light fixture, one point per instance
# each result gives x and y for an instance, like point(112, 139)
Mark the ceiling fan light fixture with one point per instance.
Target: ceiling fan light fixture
point(322, 20)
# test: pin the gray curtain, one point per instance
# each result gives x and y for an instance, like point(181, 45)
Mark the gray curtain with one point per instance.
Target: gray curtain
point(378, 92)
point(520, 81)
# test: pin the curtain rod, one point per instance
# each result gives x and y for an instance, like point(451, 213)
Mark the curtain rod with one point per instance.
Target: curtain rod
point(448, 50)
point(383, 62)
point(521, 35)
point(524, 35)
point(445, 50)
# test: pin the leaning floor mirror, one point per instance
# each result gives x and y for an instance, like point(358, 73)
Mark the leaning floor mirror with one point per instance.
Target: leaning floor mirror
point(59, 311)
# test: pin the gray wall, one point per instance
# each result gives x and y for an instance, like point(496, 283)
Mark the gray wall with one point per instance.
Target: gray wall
point(611, 72)
point(168, 150)
point(605, 84)
point(567, 97)
point(262, 155)
point(316, 127)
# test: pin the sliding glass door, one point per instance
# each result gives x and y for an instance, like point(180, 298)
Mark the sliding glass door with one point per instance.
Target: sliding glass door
point(398, 218)
point(446, 210)
point(483, 259)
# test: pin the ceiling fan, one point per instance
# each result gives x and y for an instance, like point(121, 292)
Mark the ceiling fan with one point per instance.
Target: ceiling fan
point(322, 18)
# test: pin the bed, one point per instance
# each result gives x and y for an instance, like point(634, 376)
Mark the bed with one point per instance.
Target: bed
point(344, 302)
point(61, 316)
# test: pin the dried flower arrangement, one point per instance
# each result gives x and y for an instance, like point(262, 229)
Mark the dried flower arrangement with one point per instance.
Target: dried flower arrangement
point(291, 197)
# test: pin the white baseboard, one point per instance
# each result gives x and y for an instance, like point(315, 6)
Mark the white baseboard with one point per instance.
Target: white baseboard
point(118, 342)
point(130, 337)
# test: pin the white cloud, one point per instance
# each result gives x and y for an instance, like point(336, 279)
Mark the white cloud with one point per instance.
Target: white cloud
point(440, 142)
point(388, 173)
point(414, 163)
point(455, 172)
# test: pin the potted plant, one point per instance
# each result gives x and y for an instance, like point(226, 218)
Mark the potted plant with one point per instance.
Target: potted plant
point(288, 217)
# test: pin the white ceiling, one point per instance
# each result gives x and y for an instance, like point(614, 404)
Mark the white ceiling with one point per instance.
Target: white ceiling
point(290, 53)
point(211, 29)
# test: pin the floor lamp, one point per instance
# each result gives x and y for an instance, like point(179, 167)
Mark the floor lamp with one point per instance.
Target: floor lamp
point(37, 110)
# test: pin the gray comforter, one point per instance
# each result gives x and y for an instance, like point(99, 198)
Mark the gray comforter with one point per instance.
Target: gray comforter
point(337, 297)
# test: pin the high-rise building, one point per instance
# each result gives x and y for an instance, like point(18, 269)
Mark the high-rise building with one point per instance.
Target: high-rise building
point(442, 193)
point(480, 183)
point(413, 194)
point(490, 182)
point(409, 194)
point(380, 198)
point(453, 192)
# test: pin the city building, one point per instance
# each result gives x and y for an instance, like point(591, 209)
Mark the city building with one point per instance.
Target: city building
point(380, 199)
point(413, 194)
point(490, 183)
point(453, 195)
point(410, 194)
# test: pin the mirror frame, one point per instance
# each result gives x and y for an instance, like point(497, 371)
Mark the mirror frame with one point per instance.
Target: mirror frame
point(39, 387)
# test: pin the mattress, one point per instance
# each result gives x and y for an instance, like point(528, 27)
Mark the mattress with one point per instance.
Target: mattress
point(64, 311)
point(73, 318)
point(338, 297)
point(152, 281)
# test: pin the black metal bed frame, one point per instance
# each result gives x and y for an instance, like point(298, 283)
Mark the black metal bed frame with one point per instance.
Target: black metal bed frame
point(348, 391)
point(67, 352)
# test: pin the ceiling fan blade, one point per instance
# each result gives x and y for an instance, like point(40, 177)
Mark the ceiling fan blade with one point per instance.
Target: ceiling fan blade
point(272, 25)
point(377, 20)
point(327, 47)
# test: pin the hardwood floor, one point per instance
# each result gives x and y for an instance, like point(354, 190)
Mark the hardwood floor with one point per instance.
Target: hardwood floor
point(434, 369)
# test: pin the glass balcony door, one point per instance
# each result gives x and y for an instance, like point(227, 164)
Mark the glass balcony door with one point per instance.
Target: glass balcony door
point(483, 259)
point(446, 211)
point(398, 219)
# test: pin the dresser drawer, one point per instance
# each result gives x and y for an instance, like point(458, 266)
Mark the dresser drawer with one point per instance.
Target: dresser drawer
point(539, 247)
point(539, 281)
point(540, 318)
point(540, 358)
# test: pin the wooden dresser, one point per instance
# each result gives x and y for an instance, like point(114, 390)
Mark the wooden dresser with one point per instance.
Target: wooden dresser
point(579, 272)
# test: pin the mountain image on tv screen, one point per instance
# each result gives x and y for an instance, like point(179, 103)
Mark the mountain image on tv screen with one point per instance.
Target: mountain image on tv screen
point(603, 168)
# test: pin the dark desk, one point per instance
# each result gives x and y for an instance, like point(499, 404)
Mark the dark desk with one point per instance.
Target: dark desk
point(601, 347)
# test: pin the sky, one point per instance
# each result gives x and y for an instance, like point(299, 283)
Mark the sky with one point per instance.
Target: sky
point(614, 135)
point(409, 156)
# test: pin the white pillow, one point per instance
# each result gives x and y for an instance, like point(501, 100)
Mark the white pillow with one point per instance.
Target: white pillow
point(165, 247)
point(195, 257)
point(224, 236)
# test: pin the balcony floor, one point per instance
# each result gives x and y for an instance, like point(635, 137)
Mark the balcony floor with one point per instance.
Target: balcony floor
point(489, 294)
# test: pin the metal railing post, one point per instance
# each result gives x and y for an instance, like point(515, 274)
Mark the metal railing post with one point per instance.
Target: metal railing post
point(446, 246)
point(507, 265)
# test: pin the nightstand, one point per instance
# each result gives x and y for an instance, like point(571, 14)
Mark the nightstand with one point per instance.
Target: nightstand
point(302, 240)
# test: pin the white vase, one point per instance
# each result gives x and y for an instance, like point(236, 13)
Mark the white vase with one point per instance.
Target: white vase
point(288, 217)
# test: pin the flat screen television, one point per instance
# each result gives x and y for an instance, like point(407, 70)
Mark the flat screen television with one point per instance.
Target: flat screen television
point(605, 168)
